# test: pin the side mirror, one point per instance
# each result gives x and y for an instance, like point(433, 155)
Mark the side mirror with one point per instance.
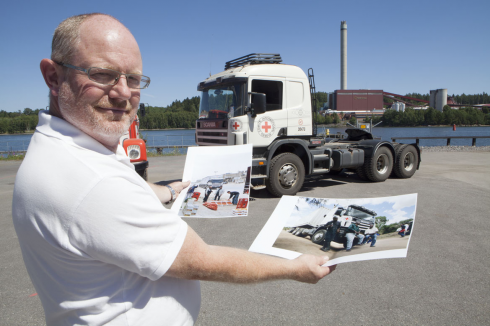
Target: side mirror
point(258, 103)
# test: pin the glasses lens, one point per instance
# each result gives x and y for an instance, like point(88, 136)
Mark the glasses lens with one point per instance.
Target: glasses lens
point(138, 81)
point(103, 76)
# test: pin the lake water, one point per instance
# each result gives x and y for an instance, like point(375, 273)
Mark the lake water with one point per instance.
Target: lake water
point(172, 138)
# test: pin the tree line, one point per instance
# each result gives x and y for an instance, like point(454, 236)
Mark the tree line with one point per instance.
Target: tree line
point(384, 228)
point(183, 114)
point(431, 116)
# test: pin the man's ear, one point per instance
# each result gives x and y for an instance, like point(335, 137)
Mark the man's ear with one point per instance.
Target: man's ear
point(52, 75)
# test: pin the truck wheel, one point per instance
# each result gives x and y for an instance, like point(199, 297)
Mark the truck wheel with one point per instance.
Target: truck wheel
point(361, 173)
point(379, 167)
point(406, 161)
point(286, 175)
point(318, 236)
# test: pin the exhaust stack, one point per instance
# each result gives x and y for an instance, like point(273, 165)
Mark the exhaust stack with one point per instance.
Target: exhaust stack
point(343, 54)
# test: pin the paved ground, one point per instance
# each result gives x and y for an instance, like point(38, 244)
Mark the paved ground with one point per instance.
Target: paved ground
point(444, 281)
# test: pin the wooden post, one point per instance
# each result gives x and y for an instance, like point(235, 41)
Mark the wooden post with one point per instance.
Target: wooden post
point(473, 143)
point(448, 141)
point(417, 141)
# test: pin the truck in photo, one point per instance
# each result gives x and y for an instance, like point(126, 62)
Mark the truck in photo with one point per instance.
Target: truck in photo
point(258, 100)
point(314, 224)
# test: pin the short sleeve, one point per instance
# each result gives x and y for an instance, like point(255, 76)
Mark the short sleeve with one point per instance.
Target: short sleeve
point(122, 223)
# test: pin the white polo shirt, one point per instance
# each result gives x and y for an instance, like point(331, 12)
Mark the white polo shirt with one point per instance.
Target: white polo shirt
point(95, 239)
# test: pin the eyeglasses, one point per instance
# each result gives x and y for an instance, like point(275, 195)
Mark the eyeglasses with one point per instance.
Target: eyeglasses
point(107, 76)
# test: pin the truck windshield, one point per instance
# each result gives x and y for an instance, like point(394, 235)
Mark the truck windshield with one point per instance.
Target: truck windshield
point(225, 101)
point(351, 211)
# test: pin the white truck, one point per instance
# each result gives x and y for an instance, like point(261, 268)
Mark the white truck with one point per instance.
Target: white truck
point(261, 101)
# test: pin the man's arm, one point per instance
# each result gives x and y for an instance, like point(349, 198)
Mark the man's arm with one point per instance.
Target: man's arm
point(199, 261)
point(164, 194)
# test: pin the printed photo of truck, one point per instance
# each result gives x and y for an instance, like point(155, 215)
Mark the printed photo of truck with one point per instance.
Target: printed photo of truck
point(336, 227)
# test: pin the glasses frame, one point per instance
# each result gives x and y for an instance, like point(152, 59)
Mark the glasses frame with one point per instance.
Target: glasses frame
point(87, 71)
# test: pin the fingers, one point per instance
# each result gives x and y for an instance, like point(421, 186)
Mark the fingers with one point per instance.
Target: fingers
point(311, 270)
point(178, 186)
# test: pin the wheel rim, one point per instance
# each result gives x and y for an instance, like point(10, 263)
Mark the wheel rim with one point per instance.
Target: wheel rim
point(408, 161)
point(288, 175)
point(382, 164)
point(317, 236)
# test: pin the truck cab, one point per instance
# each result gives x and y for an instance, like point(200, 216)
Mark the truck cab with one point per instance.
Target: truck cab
point(135, 147)
point(346, 216)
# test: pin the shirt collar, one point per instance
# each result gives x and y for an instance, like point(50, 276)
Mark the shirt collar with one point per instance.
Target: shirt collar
point(52, 126)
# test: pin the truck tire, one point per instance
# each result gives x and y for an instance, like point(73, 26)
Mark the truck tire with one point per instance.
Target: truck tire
point(286, 175)
point(361, 173)
point(406, 161)
point(378, 168)
point(318, 236)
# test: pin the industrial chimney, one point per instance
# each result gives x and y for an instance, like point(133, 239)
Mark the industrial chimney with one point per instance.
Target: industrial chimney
point(343, 54)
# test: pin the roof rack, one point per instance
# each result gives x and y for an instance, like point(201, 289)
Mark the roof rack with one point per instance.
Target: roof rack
point(254, 58)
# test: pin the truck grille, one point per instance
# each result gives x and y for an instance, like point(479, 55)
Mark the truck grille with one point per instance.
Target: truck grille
point(211, 132)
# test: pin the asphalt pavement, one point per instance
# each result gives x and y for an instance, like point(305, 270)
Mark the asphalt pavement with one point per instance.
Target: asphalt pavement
point(444, 280)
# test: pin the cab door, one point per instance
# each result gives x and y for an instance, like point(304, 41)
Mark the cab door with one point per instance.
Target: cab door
point(265, 127)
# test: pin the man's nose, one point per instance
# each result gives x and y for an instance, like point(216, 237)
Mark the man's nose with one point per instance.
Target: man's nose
point(121, 90)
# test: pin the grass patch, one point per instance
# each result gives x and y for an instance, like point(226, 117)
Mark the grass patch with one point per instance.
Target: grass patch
point(174, 152)
point(12, 157)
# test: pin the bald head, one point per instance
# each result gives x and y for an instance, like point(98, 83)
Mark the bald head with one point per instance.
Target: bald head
point(80, 30)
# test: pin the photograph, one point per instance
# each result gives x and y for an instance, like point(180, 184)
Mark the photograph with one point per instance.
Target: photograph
point(342, 229)
point(219, 187)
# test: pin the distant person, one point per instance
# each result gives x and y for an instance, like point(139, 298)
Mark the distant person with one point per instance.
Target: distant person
point(402, 230)
point(191, 190)
point(353, 232)
point(371, 234)
point(333, 227)
point(217, 196)
point(206, 194)
point(234, 197)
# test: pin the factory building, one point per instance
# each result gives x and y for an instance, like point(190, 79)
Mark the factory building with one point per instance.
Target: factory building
point(356, 100)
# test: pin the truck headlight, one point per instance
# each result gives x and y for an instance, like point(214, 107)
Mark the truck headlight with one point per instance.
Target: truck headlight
point(134, 152)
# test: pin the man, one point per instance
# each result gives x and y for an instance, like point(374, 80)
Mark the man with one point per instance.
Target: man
point(401, 230)
point(191, 190)
point(371, 233)
point(333, 227)
point(207, 194)
point(353, 232)
point(234, 197)
point(217, 196)
point(99, 246)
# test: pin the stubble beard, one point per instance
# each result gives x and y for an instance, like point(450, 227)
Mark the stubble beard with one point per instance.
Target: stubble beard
point(105, 127)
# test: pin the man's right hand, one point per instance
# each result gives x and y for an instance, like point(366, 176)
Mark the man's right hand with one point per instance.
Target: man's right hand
point(309, 268)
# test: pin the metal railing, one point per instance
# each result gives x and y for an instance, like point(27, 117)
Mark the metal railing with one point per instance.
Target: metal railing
point(417, 139)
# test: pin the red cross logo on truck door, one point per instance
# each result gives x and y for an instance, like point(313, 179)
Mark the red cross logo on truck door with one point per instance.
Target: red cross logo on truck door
point(266, 127)
point(236, 125)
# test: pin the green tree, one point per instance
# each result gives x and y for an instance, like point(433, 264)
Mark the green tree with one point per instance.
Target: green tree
point(380, 221)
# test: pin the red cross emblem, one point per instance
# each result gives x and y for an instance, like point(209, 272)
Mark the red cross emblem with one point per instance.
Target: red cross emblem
point(266, 127)
point(236, 125)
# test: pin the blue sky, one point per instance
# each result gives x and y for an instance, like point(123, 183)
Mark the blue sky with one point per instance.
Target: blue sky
point(397, 46)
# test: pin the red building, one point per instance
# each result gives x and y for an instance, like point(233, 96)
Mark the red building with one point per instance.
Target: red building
point(358, 100)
